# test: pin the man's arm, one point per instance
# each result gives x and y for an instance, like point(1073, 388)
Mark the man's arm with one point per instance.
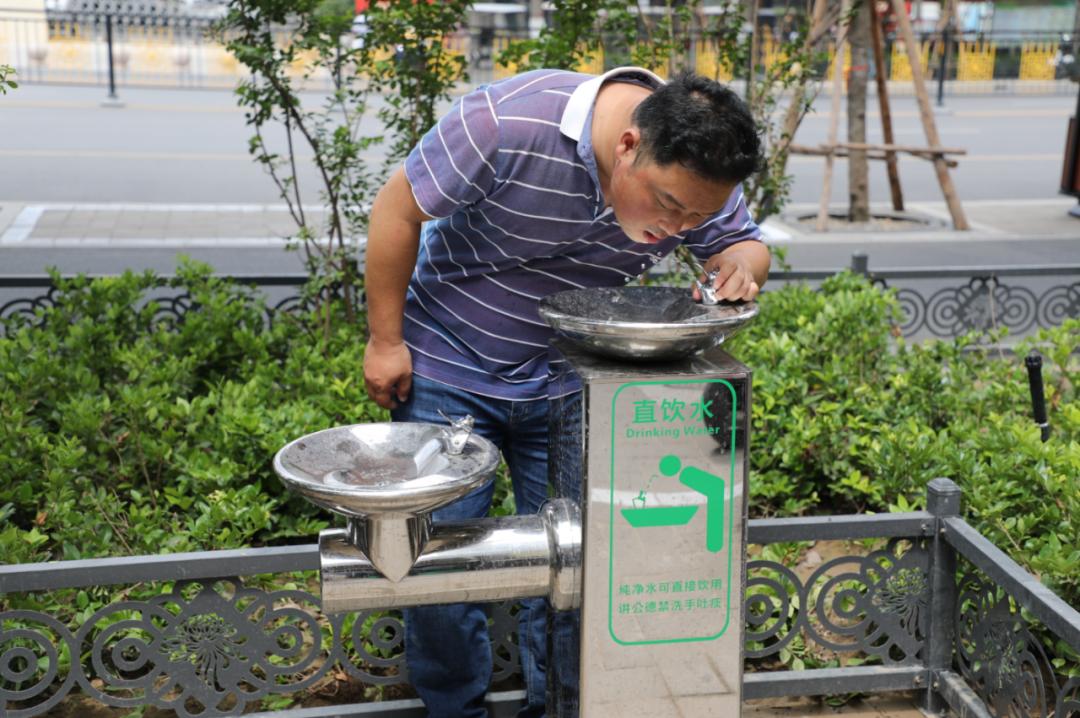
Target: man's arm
point(392, 246)
point(741, 270)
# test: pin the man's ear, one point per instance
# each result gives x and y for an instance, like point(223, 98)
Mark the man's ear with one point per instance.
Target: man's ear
point(628, 145)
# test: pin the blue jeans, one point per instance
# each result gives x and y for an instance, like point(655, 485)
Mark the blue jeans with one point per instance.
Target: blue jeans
point(447, 648)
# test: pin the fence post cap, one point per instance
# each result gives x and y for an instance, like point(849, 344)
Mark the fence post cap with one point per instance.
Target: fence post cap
point(943, 497)
point(860, 262)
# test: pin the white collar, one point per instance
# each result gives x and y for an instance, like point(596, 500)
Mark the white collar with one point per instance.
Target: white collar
point(581, 102)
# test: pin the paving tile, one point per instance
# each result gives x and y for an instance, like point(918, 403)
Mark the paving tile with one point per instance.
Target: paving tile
point(53, 217)
point(67, 232)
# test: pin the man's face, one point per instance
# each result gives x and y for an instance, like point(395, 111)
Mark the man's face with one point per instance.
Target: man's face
point(652, 202)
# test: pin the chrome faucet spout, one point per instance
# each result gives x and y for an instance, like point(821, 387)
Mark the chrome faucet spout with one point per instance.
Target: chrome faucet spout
point(458, 433)
point(708, 293)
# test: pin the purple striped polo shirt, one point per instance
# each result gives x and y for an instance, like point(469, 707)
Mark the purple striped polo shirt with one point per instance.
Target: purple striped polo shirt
point(510, 177)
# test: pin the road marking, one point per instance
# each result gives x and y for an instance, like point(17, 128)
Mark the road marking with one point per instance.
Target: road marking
point(75, 105)
point(1015, 112)
point(158, 242)
point(170, 242)
point(22, 225)
point(1030, 157)
point(129, 155)
point(1044, 112)
point(962, 159)
point(1063, 202)
point(161, 207)
point(920, 131)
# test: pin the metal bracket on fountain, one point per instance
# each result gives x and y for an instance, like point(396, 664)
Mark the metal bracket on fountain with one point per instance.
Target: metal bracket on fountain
point(387, 479)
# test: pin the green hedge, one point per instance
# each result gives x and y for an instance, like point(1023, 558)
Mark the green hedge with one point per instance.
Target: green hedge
point(120, 435)
point(846, 418)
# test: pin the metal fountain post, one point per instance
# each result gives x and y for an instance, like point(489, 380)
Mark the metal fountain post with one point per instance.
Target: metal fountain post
point(663, 490)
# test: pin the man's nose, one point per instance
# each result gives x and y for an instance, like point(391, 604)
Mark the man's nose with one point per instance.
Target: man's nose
point(687, 225)
point(670, 222)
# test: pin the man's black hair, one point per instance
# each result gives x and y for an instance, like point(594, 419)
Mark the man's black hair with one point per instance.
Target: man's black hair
point(701, 125)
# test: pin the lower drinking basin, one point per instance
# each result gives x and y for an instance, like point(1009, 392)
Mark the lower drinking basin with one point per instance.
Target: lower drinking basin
point(367, 469)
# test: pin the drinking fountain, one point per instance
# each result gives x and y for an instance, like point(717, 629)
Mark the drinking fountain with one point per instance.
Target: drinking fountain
point(645, 533)
point(386, 479)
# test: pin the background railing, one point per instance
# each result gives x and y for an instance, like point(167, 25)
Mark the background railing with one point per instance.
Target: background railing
point(933, 607)
point(165, 48)
point(147, 49)
point(935, 302)
point(948, 302)
point(22, 296)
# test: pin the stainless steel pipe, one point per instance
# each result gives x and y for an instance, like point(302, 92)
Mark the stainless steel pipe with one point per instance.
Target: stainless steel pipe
point(477, 560)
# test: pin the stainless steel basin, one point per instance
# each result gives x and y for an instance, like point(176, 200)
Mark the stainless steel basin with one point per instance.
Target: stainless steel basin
point(367, 469)
point(643, 323)
point(388, 478)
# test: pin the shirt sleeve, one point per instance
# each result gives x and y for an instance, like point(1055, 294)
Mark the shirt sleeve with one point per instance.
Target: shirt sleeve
point(453, 165)
point(731, 225)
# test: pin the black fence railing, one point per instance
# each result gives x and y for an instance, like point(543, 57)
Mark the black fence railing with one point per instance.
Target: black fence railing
point(935, 609)
point(943, 302)
point(947, 302)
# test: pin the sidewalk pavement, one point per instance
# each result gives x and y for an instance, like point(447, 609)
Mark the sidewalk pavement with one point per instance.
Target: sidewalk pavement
point(931, 221)
point(135, 225)
point(1003, 233)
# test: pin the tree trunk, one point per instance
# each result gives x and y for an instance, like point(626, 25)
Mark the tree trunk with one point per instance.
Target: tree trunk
point(858, 166)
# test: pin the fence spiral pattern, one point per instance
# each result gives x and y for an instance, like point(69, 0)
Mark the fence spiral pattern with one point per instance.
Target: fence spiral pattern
point(1003, 660)
point(874, 605)
point(207, 648)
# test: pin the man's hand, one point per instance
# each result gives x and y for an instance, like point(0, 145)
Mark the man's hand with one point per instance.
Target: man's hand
point(734, 279)
point(740, 269)
point(387, 372)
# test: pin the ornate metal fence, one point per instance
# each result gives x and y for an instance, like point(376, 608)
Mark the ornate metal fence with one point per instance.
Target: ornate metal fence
point(940, 302)
point(952, 301)
point(23, 297)
point(936, 609)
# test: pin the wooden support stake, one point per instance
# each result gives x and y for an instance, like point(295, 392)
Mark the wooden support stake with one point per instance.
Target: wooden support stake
point(927, 114)
point(754, 49)
point(834, 118)
point(902, 148)
point(874, 152)
point(886, 112)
